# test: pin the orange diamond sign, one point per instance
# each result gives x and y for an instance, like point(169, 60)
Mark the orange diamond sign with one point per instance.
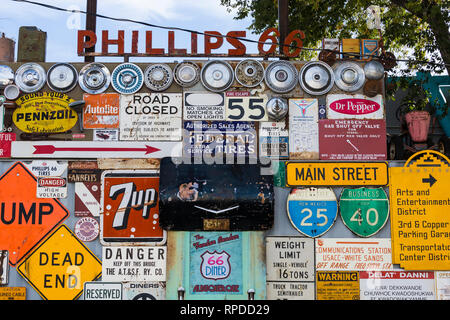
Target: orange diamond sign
point(25, 219)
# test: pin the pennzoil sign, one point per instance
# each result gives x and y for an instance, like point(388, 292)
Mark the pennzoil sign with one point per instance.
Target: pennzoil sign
point(44, 112)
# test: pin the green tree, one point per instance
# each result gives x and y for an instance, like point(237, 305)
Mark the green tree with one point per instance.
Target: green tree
point(415, 29)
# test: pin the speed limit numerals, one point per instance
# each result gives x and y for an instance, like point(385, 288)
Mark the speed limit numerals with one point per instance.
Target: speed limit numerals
point(312, 211)
point(364, 211)
point(241, 106)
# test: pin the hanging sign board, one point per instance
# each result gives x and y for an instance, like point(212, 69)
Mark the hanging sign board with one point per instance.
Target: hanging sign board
point(60, 266)
point(337, 285)
point(134, 264)
point(44, 112)
point(290, 268)
point(151, 116)
point(342, 254)
point(420, 223)
point(397, 285)
point(352, 139)
point(303, 129)
point(25, 219)
point(130, 203)
point(101, 111)
point(336, 173)
point(215, 196)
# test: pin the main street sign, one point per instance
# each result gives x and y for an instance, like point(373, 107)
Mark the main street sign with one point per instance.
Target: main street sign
point(420, 221)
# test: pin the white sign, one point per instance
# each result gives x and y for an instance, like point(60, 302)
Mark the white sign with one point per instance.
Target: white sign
point(396, 285)
point(106, 135)
point(144, 290)
point(290, 268)
point(348, 254)
point(358, 106)
point(51, 187)
point(47, 168)
point(203, 106)
point(303, 129)
point(134, 264)
point(151, 116)
point(442, 285)
point(241, 106)
point(273, 140)
point(102, 290)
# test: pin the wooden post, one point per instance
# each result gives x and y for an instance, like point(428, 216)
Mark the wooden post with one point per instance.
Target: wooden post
point(283, 23)
point(91, 22)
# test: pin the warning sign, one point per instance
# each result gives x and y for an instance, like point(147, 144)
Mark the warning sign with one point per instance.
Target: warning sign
point(25, 219)
point(60, 266)
point(13, 293)
point(420, 223)
point(337, 285)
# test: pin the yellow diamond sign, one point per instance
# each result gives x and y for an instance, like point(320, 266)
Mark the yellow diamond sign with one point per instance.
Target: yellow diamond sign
point(60, 266)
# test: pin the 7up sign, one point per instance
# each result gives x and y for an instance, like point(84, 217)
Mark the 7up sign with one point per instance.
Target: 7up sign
point(130, 204)
point(364, 211)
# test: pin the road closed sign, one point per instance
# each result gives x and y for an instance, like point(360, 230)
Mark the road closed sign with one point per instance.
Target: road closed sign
point(60, 266)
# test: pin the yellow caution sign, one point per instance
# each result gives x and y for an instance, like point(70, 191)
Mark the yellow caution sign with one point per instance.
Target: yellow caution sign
point(60, 266)
point(420, 206)
point(337, 285)
point(336, 174)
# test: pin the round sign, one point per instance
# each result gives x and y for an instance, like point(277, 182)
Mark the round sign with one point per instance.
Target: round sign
point(127, 78)
point(312, 211)
point(87, 229)
point(364, 211)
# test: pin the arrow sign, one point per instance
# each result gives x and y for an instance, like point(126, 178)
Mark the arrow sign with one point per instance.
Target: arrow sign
point(431, 180)
point(50, 149)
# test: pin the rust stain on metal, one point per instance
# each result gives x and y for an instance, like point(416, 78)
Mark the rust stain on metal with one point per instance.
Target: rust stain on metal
point(83, 165)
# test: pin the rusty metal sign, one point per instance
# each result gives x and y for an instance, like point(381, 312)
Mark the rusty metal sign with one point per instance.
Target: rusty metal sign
point(101, 111)
point(60, 266)
point(87, 199)
point(25, 219)
point(239, 194)
point(130, 208)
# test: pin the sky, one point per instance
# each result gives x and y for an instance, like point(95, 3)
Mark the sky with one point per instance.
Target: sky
point(61, 27)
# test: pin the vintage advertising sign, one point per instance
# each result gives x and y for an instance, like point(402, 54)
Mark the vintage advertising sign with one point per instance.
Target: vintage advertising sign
point(273, 140)
point(215, 196)
point(60, 266)
point(216, 138)
point(5, 144)
point(336, 174)
point(25, 219)
point(442, 285)
point(101, 111)
point(106, 135)
point(369, 47)
point(364, 211)
point(83, 171)
point(4, 267)
point(94, 149)
point(242, 106)
point(96, 290)
point(290, 268)
point(87, 229)
point(303, 129)
point(47, 168)
point(216, 265)
point(87, 199)
point(13, 293)
point(352, 139)
point(347, 254)
point(130, 208)
point(44, 112)
point(134, 264)
point(356, 106)
point(397, 285)
point(312, 211)
point(144, 290)
point(203, 106)
point(420, 223)
point(151, 116)
point(337, 285)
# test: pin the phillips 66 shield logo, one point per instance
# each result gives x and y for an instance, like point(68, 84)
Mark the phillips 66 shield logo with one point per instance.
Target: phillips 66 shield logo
point(130, 202)
point(215, 265)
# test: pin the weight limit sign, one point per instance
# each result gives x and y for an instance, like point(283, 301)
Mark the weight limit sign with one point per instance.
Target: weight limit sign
point(312, 211)
point(364, 211)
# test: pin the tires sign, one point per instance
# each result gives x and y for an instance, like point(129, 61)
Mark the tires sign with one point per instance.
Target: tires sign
point(364, 211)
point(312, 211)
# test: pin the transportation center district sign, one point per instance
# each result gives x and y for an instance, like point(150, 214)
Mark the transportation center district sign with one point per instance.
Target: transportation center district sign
point(420, 219)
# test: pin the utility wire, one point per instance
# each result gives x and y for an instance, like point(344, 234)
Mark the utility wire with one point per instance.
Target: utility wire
point(221, 36)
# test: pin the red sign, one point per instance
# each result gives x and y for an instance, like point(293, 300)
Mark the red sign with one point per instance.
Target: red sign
point(52, 182)
point(352, 139)
point(354, 106)
point(25, 219)
point(213, 40)
point(130, 202)
point(5, 144)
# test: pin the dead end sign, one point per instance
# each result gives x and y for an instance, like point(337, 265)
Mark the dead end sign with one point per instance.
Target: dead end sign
point(25, 219)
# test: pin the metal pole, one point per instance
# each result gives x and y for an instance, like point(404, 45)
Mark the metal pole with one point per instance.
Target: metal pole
point(91, 23)
point(283, 23)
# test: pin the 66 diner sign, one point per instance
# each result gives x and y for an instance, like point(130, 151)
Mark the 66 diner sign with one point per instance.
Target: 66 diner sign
point(215, 265)
point(130, 208)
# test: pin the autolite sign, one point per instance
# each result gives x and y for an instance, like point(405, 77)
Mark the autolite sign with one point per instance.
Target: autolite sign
point(340, 106)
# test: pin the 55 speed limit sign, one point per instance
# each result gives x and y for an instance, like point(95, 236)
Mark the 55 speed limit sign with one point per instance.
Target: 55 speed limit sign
point(364, 211)
point(241, 106)
point(312, 211)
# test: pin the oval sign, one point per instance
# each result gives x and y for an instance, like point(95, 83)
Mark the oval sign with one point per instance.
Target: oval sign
point(44, 112)
point(355, 106)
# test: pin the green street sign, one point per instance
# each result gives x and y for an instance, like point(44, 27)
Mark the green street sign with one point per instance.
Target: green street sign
point(364, 211)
